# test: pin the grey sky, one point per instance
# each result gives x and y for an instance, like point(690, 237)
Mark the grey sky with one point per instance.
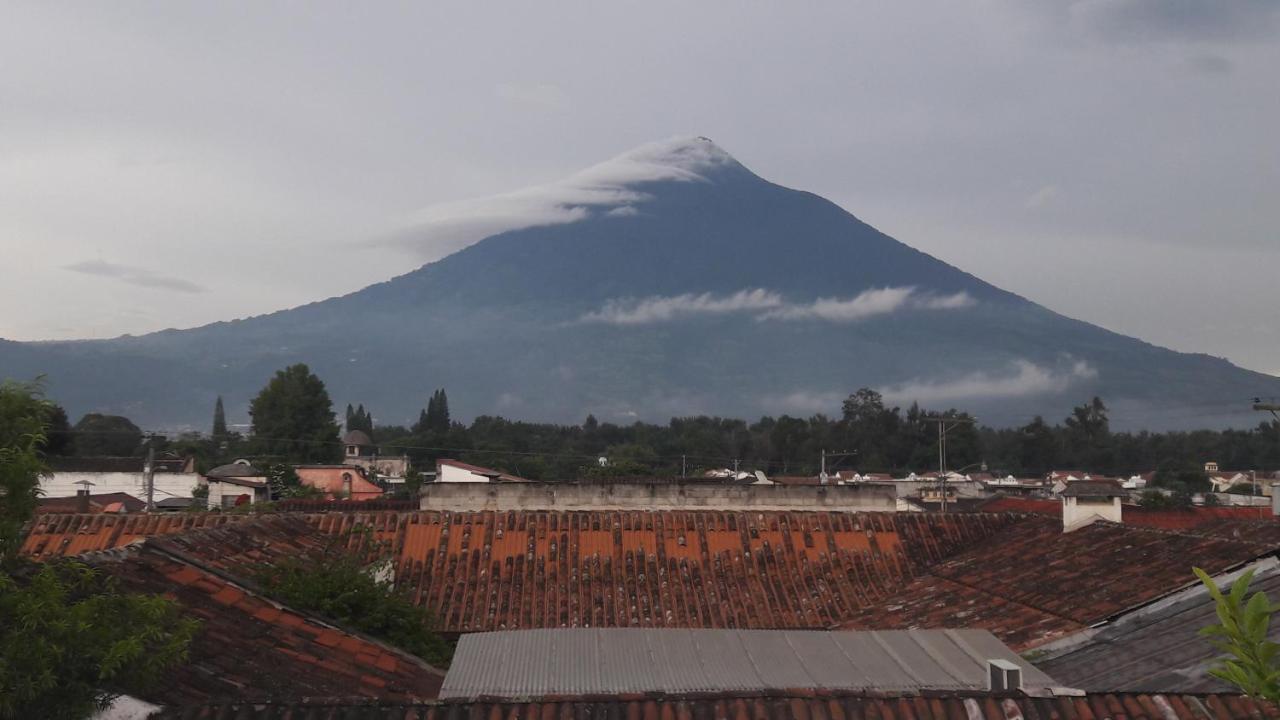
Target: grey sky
point(168, 165)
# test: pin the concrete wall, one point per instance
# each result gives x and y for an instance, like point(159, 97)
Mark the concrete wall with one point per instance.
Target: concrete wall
point(566, 496)
point(63, 484)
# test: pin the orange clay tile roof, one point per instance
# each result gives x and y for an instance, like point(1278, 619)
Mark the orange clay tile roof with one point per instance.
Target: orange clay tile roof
point(1032, 583)
point(496, 571)
point(249, 647)
point(57, 535)
point(794, 705)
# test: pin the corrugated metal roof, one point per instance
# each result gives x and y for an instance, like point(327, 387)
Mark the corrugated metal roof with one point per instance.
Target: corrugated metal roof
point(603, 661)
point(1154, 649)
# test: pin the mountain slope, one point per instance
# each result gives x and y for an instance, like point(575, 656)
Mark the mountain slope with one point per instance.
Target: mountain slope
point(668, 281)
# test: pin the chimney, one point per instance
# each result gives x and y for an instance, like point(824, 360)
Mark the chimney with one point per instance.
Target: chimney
point(346, 486)
point(82, 500)
point(1275, 498)
point(1003, 676)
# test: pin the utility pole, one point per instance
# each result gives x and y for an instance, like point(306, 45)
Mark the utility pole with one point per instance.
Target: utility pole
point(945, 425)
point(682, 467)
point(826, 455)
point(149, 472)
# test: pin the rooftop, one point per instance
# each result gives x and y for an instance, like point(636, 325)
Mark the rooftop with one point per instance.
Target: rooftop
point(496, 571)
point(1032, 583)
point(781, 706)
point(1154, 649)
point(248, 646)
point(601, 661)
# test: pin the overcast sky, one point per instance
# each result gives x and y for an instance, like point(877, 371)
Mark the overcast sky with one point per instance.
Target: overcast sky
point(170, 164)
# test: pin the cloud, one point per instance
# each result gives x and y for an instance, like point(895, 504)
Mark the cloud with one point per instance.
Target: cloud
point(1130, 21)
point(769, 305)
point(609, 186)
point(870, 303)
point(660, 309)
point(133, 275)
point(1026, 379)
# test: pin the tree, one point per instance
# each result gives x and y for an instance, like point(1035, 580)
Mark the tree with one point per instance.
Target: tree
point(22, 427)
point(1241, 634)
point(107, 435)
point(72, 641)
point(219, 433)
point(69, 639)
point(58, 436)
point(346, 592)
point(1036, 446)
point(293, 418)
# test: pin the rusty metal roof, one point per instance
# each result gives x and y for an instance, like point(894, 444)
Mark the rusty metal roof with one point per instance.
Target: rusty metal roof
point(604, 661)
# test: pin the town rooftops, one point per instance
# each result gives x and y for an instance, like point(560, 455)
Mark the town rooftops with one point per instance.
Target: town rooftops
point(1154, 649)
point(602, 661)
point(116, 502)
point(1031, 583)
point(1094, 489)
point(249, 647)
point(795, 705)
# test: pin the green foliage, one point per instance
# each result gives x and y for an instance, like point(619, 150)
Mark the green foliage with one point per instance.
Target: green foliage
point(1241, 635)
point(23, 410)
point(71, 641)
point(293, 418)
point(435, 418)
point(347, 593)
point(219, 433)
point(107, 435)
point(284, 483)
point(1179, 499)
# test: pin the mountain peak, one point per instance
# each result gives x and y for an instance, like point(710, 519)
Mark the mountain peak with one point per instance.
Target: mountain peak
point(613, 186)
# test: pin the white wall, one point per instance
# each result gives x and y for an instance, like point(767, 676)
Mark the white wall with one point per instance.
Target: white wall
point(449, 473)
point(63, 484)
point(1078, 512)
point(218, 490)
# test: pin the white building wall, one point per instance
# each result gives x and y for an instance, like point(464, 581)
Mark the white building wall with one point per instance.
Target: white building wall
point(449, 473)
point(1078, 512)
point(63, 484)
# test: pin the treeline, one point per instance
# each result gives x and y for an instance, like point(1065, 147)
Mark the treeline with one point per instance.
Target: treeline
point(293, 421)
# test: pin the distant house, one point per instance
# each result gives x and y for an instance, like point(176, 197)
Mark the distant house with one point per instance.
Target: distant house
point(173, 476)
point(348, 482)
point(455, 471)
point(91, 503)
point(359, 450)
point(1223, 481)
point(235, 484)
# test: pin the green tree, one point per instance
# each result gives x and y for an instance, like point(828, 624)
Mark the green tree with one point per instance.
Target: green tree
point(219, 433)
point(107, 435)
point(346, 592)
point(293, 418)
point(72, 641)
point(1036, 446)
point(59, 439)
point(435, 419)
point(1241, 635)
point(23, 410)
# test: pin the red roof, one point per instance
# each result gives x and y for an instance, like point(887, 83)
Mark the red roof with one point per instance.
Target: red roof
point(791, 705)
point(1033, 583)
point(1181, 519)
point(493, 571)
point(249, 647)
point(56, 535)
point(98, 503)
point(332, 479)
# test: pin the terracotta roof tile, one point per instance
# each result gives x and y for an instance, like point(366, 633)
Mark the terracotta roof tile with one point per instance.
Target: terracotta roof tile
point(249, 647)
point(1033, 583)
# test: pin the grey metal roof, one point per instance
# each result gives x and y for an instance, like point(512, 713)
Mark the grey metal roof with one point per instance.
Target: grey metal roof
point(234, 470)
point(589, 661)
point(1154, 649)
